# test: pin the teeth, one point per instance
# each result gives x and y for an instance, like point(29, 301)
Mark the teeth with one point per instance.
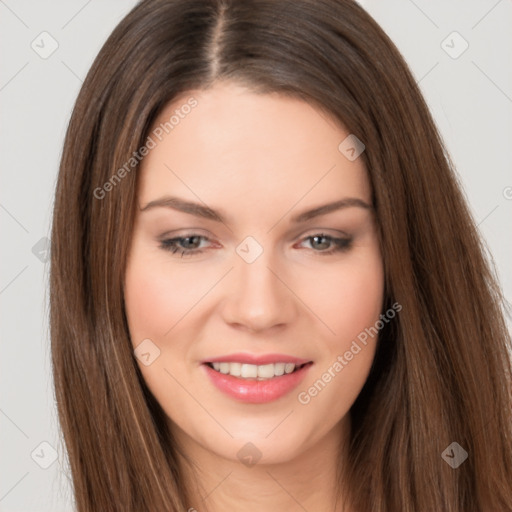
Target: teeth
point(279, 368)
point(266, 371)
point(235, 369)
point(249, 370)
point(253, 371)
point(289, 367)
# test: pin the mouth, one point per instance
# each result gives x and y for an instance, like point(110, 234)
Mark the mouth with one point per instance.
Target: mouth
point(256, 383)
point(256, 372)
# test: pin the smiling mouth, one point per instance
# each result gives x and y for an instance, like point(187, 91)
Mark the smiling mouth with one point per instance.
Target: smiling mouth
point(256, 372)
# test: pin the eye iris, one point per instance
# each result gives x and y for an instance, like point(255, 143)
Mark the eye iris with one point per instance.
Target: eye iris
point(325, 244)
point(192, 245)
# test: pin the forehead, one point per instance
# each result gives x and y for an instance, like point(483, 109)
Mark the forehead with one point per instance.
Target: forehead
point(268, 149)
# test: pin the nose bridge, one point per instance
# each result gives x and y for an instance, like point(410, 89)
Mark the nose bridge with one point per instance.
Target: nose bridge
point(257, 298)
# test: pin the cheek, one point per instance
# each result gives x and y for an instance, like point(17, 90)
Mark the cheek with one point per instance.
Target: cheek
point(349, 304)
point(155, 297)
point(347, 299)
point(149, 303)
point(156, 300)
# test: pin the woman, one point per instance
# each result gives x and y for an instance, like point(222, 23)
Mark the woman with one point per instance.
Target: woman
point(267, 290)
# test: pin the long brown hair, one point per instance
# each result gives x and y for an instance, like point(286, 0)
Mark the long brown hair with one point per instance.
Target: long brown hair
point(442, 371)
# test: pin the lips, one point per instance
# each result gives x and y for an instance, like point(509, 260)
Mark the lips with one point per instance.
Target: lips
point(257, 359)
point(256, 378)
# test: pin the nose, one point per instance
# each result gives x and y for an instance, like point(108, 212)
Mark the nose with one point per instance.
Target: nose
point(258, 296)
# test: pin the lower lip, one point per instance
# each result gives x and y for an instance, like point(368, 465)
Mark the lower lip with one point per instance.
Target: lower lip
point(256, 391)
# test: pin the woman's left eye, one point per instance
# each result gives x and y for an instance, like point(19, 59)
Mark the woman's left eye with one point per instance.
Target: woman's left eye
point(189, 245)
point(336, 244)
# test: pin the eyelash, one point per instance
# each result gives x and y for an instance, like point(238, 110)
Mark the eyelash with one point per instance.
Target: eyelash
point(340, 244)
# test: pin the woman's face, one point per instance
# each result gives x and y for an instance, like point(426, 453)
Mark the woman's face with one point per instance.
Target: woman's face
point(227, 267)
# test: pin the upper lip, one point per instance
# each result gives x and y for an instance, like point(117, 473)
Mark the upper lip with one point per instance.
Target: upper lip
point(257, 359)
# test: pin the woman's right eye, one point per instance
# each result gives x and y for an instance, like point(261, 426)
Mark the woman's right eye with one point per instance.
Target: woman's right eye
point(175, 244)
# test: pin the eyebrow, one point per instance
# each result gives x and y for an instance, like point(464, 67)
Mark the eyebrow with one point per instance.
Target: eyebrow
point(204, 211)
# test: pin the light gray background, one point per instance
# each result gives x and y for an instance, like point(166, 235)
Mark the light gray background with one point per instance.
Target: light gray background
point(470, 97)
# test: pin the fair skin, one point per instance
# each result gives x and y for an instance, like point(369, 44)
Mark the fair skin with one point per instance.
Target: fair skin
point(259, 160)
